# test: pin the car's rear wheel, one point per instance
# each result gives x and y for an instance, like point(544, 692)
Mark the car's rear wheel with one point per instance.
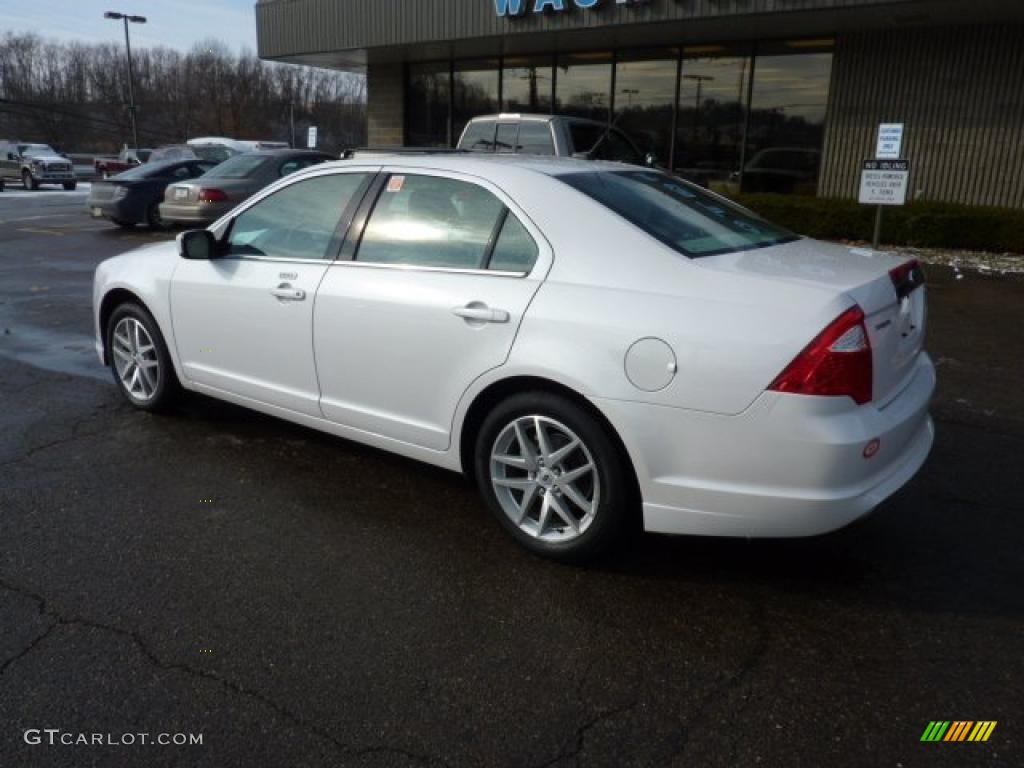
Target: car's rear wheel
point(154, 219)
point(28, 181)
point(552, 475)
point(139, 359)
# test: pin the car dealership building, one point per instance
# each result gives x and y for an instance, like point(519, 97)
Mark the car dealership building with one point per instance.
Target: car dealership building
point(789, 93)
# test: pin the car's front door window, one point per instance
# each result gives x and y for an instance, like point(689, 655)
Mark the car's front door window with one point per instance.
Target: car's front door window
point(299, 221)
point(431, 221)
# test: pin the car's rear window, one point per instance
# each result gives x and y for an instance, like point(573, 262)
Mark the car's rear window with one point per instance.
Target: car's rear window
point(237, 167)
point(682, 216)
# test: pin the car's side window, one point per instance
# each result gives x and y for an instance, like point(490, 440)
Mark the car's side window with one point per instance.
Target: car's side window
point(535, 138)
point(430, 221)
point(297, 164)
point(514, 250)
point(182, 172)
point(297, 222)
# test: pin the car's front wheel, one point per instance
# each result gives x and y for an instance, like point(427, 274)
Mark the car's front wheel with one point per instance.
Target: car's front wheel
point(552, 475)
point(155, 220)
point(28, 181)
point(139, 359)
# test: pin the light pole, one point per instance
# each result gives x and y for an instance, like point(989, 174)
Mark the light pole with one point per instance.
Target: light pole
point(128, 46)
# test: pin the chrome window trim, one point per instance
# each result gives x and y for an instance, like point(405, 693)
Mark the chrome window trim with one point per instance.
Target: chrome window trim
point(419, 268)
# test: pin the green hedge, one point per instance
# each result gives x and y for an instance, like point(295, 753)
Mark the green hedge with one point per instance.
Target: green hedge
point(928, 225)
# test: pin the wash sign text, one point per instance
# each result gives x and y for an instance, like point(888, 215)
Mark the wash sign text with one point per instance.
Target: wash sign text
point(523, 7)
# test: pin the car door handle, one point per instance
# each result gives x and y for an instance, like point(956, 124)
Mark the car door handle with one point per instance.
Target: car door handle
point(286, 293)
point(481, 313)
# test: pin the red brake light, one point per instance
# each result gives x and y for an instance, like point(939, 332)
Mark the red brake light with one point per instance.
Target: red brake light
point(211, 195)
point(836, 363)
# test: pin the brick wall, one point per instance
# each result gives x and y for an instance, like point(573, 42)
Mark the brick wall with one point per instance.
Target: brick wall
point(385, 113)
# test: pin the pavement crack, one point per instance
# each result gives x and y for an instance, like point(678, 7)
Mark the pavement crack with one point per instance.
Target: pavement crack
point(139, 642)
point(721, 691)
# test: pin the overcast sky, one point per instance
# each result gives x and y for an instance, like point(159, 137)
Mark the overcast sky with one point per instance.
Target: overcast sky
point(172, 23)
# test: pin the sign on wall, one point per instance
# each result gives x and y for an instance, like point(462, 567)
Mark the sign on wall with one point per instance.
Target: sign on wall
point(522, 7)
point(890, 141)
point(884, 182)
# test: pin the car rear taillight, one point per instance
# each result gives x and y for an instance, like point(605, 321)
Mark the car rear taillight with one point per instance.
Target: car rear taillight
point(907, 277)
point(212, 195)
point(836, 363)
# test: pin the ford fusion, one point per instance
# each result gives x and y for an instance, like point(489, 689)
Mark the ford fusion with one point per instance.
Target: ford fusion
point(593, 343)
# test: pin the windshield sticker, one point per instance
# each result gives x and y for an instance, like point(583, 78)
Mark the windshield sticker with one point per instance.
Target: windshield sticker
point(395, 183)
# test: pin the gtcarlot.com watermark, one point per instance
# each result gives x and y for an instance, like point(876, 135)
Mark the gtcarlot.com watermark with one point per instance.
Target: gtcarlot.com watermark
point(57, 737)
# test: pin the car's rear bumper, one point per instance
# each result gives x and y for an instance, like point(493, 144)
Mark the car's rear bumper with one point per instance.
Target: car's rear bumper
point(789, 466)
point(192, 213)
point(121, 210)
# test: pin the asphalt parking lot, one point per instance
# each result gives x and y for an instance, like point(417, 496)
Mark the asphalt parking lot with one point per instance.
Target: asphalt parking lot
point(301, 600)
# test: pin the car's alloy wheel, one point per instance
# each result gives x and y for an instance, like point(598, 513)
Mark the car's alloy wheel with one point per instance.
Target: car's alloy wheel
point(139, 359)
point(27, 181)
point(545, 478)
point(554, 475)
point(135, 359)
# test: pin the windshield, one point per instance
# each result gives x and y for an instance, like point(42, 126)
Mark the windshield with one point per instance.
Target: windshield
point(682, 216)
point(238, 167)
point(36, 149)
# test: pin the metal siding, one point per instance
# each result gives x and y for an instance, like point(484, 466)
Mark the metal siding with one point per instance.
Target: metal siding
point(289, 27)
point(960, 92)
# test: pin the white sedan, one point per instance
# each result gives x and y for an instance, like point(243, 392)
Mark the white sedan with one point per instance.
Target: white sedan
point(595, 344)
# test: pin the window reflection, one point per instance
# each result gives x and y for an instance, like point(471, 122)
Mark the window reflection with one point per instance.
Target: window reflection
point(645, 88)
point(426, 107)
point(712, 99)
point(475, 92)
point(787, 123)
point(526, 84)
point(583, 85)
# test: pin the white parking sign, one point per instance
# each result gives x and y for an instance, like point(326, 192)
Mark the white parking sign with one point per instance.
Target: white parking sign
point(890, 141)
point(884, 182)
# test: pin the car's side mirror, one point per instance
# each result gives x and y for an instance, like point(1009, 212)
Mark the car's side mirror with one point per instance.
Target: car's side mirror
point(198, 244)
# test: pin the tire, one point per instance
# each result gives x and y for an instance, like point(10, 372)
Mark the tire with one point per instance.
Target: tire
point(124, 224)
point(600, 518)
point(70, 185)
point(155, 220)
point(28, 182)
point(148, 391)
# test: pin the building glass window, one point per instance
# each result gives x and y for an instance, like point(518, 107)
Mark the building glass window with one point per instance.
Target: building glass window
point(426, 105)
point(787, 119)
point(583, 85)
point(475, 89)
point(712, 115)
point(526, 84)
point(645, 89)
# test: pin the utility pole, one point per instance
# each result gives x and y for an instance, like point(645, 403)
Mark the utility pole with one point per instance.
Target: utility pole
point(131, 78)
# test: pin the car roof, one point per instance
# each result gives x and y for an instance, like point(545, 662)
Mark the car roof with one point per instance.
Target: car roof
point(535, 116)
point(486, 165)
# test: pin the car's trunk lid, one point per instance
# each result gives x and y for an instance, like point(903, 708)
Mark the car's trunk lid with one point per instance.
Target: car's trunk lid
point(894, 315)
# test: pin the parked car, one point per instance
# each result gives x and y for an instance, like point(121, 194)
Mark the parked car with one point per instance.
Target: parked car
point(237, 145)
point(35, 164)
point(216, 153)
point(589, 341)
point(225, 186)
point(105, 167)
point(133, 197)
point(558, 135)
